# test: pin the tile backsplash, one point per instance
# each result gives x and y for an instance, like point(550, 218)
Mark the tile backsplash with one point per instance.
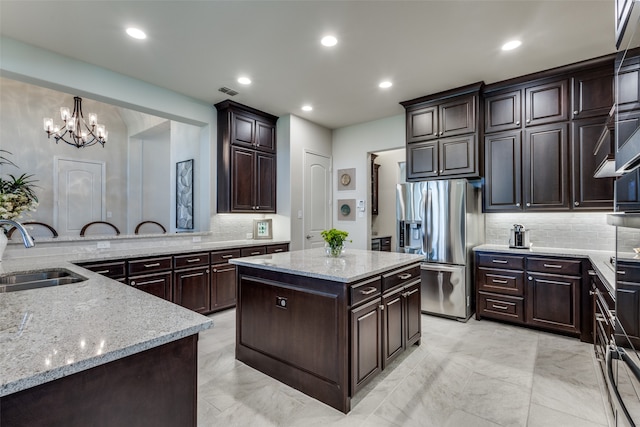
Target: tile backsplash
point(577, 230)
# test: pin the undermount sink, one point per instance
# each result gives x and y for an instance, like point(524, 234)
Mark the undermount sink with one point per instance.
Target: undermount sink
point(22, 281)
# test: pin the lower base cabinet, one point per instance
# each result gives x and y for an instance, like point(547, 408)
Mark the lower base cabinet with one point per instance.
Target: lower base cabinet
point(192, 289)
point(553, 302)
point(366, 341)
point(159, 284)
point(223, 286)
point(401, 321)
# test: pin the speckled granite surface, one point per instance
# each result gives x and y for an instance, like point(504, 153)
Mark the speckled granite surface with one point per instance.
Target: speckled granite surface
point(599, 259)
point(353, 265)
point(49, 333)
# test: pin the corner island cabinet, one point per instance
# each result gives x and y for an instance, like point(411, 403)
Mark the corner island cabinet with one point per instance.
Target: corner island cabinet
point(326, 326)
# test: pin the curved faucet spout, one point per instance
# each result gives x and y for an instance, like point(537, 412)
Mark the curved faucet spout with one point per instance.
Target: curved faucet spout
point(26, 238)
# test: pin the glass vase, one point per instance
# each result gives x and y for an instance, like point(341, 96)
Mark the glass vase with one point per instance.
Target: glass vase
point(334, 251)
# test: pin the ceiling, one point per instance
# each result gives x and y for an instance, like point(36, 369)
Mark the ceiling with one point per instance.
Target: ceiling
point(423, 47)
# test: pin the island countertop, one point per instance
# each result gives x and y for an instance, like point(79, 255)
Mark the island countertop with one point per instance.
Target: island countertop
point(50, 333)
point(353, 265)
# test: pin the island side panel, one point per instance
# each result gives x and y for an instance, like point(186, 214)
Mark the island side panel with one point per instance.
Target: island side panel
point(155, 387)
point(302, 342)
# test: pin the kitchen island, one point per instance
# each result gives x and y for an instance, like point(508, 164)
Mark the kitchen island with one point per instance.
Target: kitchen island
point(95, 352)
point(323, 325)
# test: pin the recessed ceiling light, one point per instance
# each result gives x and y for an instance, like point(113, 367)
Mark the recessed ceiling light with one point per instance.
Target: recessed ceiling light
point(329, 41)
point(510, 45)
point(136, 33)
point(307, 108)
point(385, 84)
point(244, 80)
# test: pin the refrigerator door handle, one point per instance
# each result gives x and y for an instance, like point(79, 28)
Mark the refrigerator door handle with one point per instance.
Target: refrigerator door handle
point(428, 220)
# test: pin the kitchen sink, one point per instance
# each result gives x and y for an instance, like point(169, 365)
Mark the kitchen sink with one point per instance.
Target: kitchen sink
point(22, 281)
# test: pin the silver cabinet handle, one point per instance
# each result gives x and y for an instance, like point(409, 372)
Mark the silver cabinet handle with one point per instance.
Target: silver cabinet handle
point(621, 272)
point(528, 120)
point(441, 170)
point(530, 278)
point(102, 271)
point(255, 253)
point(500, 281)
point(575, 113)
point(518, 123)
point(155, 264)
point(369, 290)
point(194, 260)
point(552, 265)
point(576, 203)
point(528, 204)
point(592, 273)
point(257, 208)
point(404, 276)
point(518, 204)
point(226, 256)
point(193, 275)
point(278, 250)
point(148, 282)
point(500, 307)
point(499, 261)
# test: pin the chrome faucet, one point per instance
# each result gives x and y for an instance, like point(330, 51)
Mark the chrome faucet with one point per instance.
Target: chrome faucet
point(28, 241)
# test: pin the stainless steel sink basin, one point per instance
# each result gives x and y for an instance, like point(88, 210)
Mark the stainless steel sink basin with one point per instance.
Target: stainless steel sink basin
point(38, 279)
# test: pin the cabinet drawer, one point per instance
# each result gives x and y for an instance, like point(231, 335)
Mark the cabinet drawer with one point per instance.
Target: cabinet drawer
point(112, 270)
point(365, 291)
point(191, 260)
point(501, 281)
point(501, 307)
point(149, 265)
point(274, 249)
point(513, 262)
point(554, 266)
point(385, 241)
point(256, 250)
point(224, 256)
point(400, 277)
point(626, 272)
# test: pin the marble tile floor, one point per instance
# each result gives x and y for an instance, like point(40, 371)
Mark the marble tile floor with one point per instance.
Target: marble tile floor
point(479, 373)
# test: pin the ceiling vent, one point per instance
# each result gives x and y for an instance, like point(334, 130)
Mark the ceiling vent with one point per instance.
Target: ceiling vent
point(228, 91)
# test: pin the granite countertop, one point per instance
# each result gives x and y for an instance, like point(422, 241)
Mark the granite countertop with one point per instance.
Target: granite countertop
point(353, 265)
point(600, 260)
point(49, 333)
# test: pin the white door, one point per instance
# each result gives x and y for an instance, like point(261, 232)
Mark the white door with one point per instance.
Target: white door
point(79, 196)
point(317, 198)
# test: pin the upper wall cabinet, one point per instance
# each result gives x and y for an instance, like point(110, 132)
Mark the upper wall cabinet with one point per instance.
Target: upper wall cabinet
point(246, 159)
point(593, 93)
point(443, 134)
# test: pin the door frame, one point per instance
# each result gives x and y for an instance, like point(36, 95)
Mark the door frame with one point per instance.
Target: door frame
point(56, 198)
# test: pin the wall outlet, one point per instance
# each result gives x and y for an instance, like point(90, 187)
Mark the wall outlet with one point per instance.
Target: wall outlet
point(104, 245)
point(109, 214)
point(249, 235)
point(196, 239)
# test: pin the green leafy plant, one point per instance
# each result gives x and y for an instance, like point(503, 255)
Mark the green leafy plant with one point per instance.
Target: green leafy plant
point(17, 195)
point(335, 239)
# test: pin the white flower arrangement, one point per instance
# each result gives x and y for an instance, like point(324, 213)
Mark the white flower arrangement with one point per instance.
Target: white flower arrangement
point(17, 196)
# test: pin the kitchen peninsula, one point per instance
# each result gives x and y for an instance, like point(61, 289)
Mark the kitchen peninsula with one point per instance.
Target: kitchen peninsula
point(323, 325)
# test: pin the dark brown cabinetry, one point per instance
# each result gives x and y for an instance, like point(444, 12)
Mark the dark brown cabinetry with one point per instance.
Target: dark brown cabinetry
point(223, 279)
point(628, 303)
point(503, 171)
point(593, 93)
point(151, 275)
point(537, 291)
point(366, 342)
point(442, 134)
point(116, 270)
point(502, 111)
point(375, 174)
point(246, 159)
point(192, 281)
point(546, 103)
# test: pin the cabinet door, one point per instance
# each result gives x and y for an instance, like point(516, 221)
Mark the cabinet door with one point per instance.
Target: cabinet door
point(627, 194)
point(223, 286)
point(457, 116)
point(553, 302)
point(154, 284)
point(458, 156)
point(628, 84)
point(242, 179)
point(265, 188)
point(366, 344)
point(546, 167)
point(192, 289)
point(502, 111)
point(422, 160)
point(546, 103)
point(422, 124)
point(593, 93)
point(412, 314)
point(503, 172)
point(265, 137)
point(242, 130)
point(588, 192)
point(393, 327)
point(627, 311)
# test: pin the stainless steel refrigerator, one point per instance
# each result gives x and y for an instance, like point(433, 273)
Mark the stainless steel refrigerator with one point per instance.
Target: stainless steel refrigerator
point(443, 221)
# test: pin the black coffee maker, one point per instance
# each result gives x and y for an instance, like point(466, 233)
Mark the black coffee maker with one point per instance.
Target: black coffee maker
point(519, 237)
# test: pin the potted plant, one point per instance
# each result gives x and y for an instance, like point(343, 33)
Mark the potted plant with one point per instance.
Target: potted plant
point(334, 241)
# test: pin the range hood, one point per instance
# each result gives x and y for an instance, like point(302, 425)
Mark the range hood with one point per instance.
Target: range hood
point(629, 220)
point(605, 149)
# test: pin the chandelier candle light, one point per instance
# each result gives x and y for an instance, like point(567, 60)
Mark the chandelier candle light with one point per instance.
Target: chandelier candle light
point(73, 127)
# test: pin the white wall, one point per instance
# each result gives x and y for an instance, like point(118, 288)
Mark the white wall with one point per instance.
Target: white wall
point(350, 148)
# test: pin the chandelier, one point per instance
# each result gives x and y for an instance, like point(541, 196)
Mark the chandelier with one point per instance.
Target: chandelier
point(77, 132)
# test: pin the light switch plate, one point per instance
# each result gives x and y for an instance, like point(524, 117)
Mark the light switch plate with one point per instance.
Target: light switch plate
point(104, 245)
point(196, 239)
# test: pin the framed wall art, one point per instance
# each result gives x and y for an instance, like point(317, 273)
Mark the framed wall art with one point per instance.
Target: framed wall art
point(346, 179)
point(184, 195)
point(347, 210)
point(262, 229)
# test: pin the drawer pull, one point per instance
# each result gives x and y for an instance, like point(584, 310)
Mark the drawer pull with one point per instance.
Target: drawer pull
point(552, 265)
point(502, 282)
point(500, 307)
point(155, 264)
point(102, 271)
point(278, 250)
point(226, 256)
point(148, 282)
point(404, 276)
point(194, 260)
point(193, 275)
point(255, 253)
point(368, 291)
point(592, 273)
point(499, 261)
point(622, 272)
